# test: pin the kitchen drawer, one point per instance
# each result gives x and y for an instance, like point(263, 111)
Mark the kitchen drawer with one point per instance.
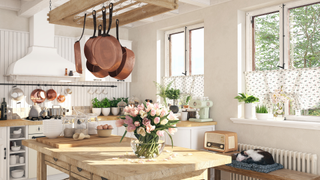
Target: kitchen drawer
point(77, 176)
point(57, 167)
point(57, 162)
point(34, 129)
point(96, 177)
point(81, 172)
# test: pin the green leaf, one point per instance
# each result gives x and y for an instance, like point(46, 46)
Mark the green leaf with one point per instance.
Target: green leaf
point(124, 134)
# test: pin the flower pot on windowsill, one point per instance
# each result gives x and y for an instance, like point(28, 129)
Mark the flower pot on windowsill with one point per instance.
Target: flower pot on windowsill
point(96, 111)
point(262, 116)
point(105, 111)
point(279, 118)
point(248, 110)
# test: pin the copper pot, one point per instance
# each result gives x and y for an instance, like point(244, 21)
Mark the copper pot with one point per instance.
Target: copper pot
point(38, 96)
point(51, 94)
point(77, 50)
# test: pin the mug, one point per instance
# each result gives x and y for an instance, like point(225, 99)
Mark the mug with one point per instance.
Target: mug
point(184, 115)
point(21, 160)
point(13, 159)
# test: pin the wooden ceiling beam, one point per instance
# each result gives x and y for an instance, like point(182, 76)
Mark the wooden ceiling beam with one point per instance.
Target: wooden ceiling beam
point(169, 4)
point(124, 18)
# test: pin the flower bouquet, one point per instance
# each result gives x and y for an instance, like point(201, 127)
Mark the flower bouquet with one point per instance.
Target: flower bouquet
point(148, 122)
point(278, 99)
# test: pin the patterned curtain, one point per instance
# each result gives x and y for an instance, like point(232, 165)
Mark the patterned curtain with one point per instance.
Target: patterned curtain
point(193, 84)
point(301, 85)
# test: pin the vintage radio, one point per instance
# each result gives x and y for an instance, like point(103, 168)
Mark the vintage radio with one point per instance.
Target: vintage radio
point(221, 141)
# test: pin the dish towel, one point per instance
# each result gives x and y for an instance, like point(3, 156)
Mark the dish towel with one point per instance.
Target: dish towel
point(256, 167)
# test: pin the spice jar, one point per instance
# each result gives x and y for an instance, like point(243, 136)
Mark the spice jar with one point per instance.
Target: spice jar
point(121, 105)
point(92, 123)
point(81, 124)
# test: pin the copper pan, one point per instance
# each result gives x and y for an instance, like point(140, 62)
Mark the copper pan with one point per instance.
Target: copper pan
point(77, 50)
point(38, 96)
point(51, 94)
point(88, 45)
point(107, 50)
point(96, 70)
point(128, 60)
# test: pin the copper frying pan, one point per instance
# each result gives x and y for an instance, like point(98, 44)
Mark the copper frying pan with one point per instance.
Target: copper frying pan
point(96, 70)
point(88, 45)
point(128, 60)
point(38, 96)
point(107, 50)
point(77, 51)
point(51, 94)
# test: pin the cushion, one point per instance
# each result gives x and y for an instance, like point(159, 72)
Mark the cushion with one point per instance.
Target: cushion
point(256, 167)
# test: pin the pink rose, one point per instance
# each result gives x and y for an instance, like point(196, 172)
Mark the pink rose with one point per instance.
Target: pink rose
point(134, 112)
point(150, 128)
point(163, 112)
point(156, 120)
point(153, 112)
point(140, 107)
point(160, 133)
point(137, 123)
point(128, 120)
point(131, 128)
point(119, 123)
point(156, 106)
point(172, 130)
point(149, 107)
point(146, 122)
point(172, 116)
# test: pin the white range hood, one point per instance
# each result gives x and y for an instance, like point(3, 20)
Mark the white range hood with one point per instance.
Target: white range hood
point(42, 63)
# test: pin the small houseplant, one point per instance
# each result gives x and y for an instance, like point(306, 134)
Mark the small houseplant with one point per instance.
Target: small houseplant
point(248, 106)
point(162, 89)
point(114, 106)
point(173, 94)
point(262, 112)
point(278, 99)
point(96, 106)
point(106, 106)
point(184, 100)
point(149, 123)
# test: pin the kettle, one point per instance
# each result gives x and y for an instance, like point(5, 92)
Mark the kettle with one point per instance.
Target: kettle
point(34, 111)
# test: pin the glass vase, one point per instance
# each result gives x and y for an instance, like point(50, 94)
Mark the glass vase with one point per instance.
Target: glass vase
point(147, 149)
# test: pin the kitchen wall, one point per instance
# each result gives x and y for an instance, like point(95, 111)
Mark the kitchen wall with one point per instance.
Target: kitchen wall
point(220, 71)
point(14, 43)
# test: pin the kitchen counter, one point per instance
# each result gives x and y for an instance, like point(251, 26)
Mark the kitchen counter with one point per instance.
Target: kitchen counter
point(18, 122)
point(99, 162)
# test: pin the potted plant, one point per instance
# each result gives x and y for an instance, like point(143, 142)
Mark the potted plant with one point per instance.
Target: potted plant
point(114, 106)
point(262, 112)
point(173, 94)
point(161, 89)
point(248, 106)
point(184, 100)
point(96, 106)
point(106, 106)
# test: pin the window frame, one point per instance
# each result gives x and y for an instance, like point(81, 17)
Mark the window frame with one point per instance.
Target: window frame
point(187, 59)
point(284, 38)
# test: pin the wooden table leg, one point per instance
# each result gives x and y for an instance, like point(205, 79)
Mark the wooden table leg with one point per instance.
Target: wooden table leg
point(217, 174)
point(41, 167)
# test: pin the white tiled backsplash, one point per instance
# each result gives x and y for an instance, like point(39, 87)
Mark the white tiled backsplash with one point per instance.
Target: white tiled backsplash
point(14, 45)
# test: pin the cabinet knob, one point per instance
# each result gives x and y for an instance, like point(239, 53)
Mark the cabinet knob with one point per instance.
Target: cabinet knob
point(102, 178)
point(55, 159)
point(79, 169)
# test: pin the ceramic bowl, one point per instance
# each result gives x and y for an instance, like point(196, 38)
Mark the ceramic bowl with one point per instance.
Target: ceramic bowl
point(15, 148)
point(15, 135)
point(17, 173)
point(104, 132)
point(52, 128)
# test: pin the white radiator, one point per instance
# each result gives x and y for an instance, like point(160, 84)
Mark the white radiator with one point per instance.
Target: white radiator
point(293, 160)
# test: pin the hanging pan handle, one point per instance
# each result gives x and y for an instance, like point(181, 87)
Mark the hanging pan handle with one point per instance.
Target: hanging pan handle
point(99, 30)
point(94, 23)
point(84, 26)
point(110, 18)
point(104, 21)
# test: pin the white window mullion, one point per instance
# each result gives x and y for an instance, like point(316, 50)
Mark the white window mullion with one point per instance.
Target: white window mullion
point(249, 45)
point(282, 37)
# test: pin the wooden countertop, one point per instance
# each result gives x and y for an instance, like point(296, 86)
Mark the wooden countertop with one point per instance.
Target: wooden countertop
point(107, 118)
point(18, 122)
point(97, 159)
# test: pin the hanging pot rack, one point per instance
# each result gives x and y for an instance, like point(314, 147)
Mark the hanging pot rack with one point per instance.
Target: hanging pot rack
point(127, 11)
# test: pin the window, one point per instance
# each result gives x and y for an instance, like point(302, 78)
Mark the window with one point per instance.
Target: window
point(185, 51)
point(285, 36)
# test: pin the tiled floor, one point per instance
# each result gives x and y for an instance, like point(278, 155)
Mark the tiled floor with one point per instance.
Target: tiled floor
point(55, 177)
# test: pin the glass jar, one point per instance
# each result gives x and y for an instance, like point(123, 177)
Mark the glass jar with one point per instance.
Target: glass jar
point(92, 123)
point(134, 101)
point(121, 105)
point(81, 122)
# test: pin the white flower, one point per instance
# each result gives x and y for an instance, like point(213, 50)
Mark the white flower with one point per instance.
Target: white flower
point(143, 114)
point(279, 111)
point(141, 131)
point(164, 122)
point(158, 112)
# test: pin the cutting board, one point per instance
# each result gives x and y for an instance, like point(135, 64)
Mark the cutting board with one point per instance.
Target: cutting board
point(62, 142)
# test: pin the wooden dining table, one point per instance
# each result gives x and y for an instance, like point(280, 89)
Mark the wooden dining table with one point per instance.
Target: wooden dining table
point(113, 160)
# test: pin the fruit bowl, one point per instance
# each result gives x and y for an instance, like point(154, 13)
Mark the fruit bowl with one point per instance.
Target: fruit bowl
point(104, 132)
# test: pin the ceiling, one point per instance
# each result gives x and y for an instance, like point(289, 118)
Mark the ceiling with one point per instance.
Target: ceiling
point(27, 8)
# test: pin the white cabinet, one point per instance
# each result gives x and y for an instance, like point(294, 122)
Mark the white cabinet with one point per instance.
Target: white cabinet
point(3, 153)
point(88, 76)
point(189, 137)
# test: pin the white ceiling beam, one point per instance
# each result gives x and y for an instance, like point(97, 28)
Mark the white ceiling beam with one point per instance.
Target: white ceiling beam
point(13, 5)
point(200, 3)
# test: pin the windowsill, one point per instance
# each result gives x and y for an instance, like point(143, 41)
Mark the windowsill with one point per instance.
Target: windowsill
point(286, 123)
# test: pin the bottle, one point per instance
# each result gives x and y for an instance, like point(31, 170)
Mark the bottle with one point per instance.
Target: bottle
point(4, 110)
point(66, 72)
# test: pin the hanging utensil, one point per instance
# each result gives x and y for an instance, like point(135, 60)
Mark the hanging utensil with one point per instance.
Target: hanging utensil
point(38, 96)
point(107, 50)
point(88, 45)
point(16, 93)
point(61, 98)
point(51, 94)
point(77, 49)
point(128, 60)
